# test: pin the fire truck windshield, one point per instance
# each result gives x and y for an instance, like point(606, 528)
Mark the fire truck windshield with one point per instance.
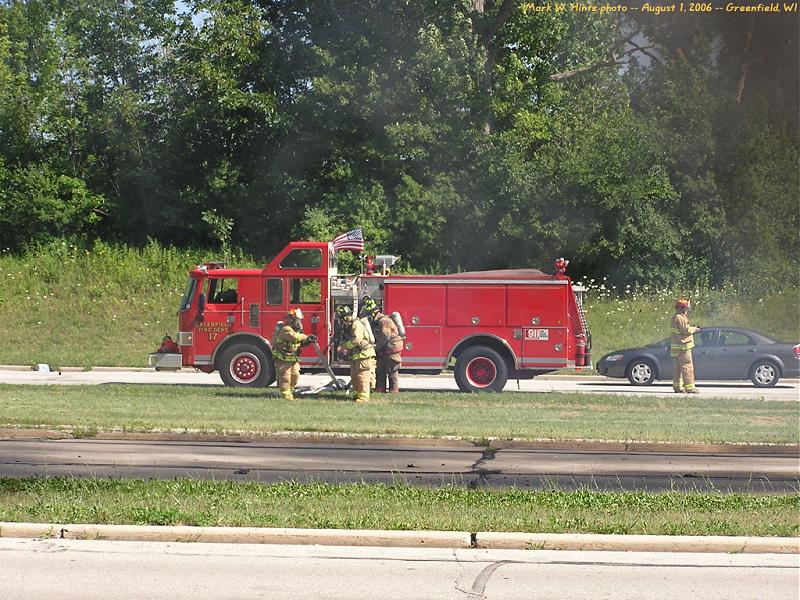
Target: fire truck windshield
point(188, 295)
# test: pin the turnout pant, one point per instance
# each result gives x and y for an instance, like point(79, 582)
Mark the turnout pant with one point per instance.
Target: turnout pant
point(288, 374)
point(361, 373)
point(389, 368)
point(683, 371)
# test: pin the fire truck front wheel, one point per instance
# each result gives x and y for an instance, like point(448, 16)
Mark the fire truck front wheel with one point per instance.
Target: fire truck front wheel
point(245, 365)
point(481, 369)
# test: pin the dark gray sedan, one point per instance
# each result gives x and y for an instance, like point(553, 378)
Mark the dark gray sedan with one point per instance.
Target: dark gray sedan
point(719, 353)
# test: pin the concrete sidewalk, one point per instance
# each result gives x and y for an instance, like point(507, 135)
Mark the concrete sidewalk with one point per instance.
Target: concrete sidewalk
point(410, 539)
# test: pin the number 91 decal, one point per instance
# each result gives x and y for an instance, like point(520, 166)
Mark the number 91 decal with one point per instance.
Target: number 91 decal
point(537, 334)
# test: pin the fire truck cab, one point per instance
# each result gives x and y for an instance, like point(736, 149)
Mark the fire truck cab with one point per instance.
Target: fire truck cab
point(488, 326)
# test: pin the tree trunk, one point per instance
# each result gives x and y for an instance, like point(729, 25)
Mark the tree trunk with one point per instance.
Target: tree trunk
point(486, 39)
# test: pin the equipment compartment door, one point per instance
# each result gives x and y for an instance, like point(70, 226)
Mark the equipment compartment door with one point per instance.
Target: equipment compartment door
point(422, 307)
point(541, 312)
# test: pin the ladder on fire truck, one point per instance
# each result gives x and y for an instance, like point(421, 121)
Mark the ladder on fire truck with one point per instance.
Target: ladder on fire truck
point(582, 314)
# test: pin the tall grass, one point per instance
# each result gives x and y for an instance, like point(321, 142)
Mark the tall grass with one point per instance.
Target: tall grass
point(109, 305)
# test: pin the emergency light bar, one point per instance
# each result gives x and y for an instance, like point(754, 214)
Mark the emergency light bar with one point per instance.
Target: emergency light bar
point(386, 260)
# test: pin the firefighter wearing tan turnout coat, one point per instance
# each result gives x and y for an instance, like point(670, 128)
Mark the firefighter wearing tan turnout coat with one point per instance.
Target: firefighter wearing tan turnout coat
point(681, 344)
point(286, 343)
point(359, 351)
point(388, 346)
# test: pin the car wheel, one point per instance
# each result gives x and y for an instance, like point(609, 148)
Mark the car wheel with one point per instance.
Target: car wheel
point(481, 369)
point(764, 374)
point(245, 365)
point(641, 371)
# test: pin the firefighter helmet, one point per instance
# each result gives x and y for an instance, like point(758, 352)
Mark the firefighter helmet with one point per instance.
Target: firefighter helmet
point(682, 304)
point(343, 311)
point(368, 306)
point(294, 319)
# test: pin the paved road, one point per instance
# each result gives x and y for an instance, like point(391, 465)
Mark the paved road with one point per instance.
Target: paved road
point(458, 464)
point(91, 569)
point(784, 391)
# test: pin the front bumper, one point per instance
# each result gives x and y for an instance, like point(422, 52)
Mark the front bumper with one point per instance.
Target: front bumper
point(611, 369)
point(164, 361)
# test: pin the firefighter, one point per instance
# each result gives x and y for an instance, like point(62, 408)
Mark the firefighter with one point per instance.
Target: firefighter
point(286, 343)
point(359, 351)
point(388, 346)
point(681, 344)
point(365, 312)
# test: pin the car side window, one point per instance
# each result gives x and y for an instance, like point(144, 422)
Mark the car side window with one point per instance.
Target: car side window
point(703, 339)
point(734, 338)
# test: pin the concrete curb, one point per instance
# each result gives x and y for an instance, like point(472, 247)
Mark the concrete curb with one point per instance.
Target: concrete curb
point(408, 539)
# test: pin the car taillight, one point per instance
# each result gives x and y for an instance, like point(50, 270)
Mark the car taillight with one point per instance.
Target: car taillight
point(796, 351)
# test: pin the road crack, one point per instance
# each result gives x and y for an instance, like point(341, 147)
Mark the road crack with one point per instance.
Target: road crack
point(479, 469)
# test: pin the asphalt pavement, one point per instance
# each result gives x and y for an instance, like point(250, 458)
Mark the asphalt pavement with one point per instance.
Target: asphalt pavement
point(654, 467)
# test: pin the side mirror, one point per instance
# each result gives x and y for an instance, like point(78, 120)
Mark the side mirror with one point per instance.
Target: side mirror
point(201, 306)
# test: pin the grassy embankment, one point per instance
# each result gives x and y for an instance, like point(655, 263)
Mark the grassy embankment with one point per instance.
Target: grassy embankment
point(109, 307)
point(394, 507)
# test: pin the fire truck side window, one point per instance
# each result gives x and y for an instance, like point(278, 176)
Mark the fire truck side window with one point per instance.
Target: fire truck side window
point(221, 291)
point(303, 258)
point(305, 291)
point(275, 291)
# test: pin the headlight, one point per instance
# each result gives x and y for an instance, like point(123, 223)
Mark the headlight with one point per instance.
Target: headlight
point(614, 357)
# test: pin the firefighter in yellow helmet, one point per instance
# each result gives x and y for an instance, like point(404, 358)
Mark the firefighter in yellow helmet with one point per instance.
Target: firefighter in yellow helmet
point(359, 351)
point(286, 344)
point(681, 344)
point(366, 309)
point(388, 346)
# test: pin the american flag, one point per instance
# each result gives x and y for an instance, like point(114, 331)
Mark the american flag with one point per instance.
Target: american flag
point(352, 240)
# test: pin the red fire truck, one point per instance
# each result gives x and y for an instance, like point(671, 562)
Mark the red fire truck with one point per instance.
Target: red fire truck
point(488, 326)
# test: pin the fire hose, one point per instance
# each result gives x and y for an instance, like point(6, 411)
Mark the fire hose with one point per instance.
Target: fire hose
point(327, 366)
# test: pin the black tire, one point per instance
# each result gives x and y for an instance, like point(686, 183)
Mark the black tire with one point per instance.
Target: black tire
point(765, 374)
point(481, 369)
point(641, 371)
point(246, 365)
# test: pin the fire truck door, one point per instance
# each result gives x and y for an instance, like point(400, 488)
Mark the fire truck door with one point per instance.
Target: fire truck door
point(222, 314)
point(307, 294)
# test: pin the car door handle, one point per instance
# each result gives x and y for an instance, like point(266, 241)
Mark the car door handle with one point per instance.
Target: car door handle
point(704, 351)
point(752, 350)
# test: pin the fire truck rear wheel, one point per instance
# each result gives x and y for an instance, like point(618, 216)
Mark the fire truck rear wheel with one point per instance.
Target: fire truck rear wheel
point(481, 369)
point(244, 365)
